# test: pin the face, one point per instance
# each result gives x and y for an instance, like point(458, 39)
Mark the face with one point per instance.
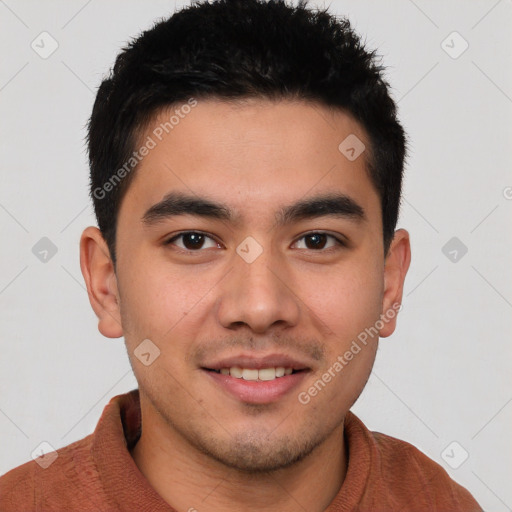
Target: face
point(248, 247)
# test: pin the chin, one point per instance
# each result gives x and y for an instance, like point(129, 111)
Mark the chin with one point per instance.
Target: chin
point(253, 453)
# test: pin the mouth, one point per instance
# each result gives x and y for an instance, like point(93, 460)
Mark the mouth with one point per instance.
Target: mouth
point(262, 380)
point(254, 374)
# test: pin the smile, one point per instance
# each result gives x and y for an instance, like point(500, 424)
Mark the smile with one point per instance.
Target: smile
point(252, 374)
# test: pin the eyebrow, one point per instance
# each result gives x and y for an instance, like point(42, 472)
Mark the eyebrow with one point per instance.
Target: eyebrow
point(326, 205)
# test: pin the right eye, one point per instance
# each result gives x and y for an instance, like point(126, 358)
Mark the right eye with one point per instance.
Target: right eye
point(192, 241)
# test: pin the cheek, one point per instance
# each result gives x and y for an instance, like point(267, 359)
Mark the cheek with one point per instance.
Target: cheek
point(347, 300)
point(148, 301)
point(160, 302)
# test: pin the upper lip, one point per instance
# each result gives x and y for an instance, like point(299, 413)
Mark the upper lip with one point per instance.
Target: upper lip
point(257, 362)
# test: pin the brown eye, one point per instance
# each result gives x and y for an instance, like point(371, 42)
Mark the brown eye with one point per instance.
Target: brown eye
point(318, 241)
point(191, 241)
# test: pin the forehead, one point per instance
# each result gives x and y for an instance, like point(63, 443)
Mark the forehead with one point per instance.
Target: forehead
point(252, 155)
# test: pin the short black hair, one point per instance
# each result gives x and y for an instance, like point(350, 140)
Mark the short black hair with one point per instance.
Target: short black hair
point(236, 49)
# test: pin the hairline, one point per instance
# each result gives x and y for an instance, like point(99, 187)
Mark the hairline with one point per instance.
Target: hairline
point(141, 127)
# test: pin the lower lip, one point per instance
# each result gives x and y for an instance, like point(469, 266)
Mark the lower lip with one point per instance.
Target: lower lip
point(257, 392)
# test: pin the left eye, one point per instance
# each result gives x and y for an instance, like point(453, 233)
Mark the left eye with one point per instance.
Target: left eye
point(193, 241)
point(317, 241)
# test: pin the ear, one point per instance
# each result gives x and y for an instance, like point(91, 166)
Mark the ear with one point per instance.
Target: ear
point(100, 279)
point(397, 263)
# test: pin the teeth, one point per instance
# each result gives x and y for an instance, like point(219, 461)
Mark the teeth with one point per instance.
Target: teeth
point(236, 372)
point(264, 374)
point(280, 371)
point(249, 374)
point(267, 374)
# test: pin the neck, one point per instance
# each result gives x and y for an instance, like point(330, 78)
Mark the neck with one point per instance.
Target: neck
point(189, 480)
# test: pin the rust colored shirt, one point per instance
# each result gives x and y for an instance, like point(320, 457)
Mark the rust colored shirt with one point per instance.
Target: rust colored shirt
point(98, 473)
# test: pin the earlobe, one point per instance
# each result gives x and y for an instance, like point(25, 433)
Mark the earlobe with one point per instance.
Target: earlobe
point(397, 264)
point(100, 279)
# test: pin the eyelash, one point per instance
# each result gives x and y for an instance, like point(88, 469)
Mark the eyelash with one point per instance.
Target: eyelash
point(340, 243)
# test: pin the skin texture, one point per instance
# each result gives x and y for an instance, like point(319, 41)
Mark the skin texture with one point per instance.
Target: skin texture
point(198, 442)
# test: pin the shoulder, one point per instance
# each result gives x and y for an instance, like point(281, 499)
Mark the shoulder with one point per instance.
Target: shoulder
point(414, 474)
point(403, 476)
point(52, 478)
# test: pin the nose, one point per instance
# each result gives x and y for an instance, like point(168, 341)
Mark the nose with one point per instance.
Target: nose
point(259, 295)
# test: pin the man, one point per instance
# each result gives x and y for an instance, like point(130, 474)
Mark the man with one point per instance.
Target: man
point(246, 167)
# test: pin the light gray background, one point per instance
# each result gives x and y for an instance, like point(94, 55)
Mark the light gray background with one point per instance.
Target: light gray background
point(444, 375)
